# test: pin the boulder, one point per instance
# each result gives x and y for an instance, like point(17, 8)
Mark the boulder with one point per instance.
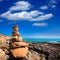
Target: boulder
point(18, 44)
point(3, 56)
point(4, 41)
point(19, 52)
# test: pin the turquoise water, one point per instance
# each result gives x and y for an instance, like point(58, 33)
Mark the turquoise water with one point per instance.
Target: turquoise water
point(42, 39)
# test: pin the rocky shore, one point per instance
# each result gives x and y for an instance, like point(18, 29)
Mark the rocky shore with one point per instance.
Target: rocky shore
point(45, 51)
point(37, 51)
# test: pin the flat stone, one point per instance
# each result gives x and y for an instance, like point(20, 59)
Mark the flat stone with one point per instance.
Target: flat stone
point(19, 52)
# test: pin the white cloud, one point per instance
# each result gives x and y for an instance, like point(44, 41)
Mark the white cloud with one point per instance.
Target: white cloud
point(44, 7)
point(40, 24)
point(43, 17)
point(21, 5)
point(52, 3)
point(24, 15)
point(34, 15)
point(53, 6)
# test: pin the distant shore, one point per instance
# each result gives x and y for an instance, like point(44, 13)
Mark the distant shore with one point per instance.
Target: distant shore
point(54, 40)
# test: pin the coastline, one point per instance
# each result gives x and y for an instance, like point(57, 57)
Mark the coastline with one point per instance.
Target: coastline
point(37, 50)
point(54, 40)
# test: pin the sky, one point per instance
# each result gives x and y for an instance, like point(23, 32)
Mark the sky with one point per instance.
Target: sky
point(35, 18)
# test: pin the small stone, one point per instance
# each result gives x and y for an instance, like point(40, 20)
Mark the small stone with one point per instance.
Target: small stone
point(3, 56)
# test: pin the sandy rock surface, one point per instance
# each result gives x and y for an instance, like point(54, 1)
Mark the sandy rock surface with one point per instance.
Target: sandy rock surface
point(3, 56)
point(19, 52)
point(37, 51)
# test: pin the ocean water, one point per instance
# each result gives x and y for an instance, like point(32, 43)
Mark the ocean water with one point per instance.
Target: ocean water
point(42, 39)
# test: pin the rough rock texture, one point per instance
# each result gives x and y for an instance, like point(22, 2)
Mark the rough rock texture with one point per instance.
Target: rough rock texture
point(18, 47)
point(44, 51)
point(37, 51)
point(3, 56)
point(19, 52)
point(4, 41)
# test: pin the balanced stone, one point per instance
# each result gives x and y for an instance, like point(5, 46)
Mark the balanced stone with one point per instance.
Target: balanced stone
point(15, 34)
point(18, 47)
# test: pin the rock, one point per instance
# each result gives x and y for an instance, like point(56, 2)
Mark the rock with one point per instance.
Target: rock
point(36, 51)
point(3, 56)
point(15, 34)
point(45, 51)
point(18, 46)
point(19, 52)
point(4, 41)
point(32, 55)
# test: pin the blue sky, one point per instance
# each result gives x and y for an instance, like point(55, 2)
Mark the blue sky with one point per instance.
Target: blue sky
point(35, 18)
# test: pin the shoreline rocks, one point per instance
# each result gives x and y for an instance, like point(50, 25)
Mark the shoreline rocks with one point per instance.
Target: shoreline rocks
point(48, 51)
point(36, 51)
point(3, 56)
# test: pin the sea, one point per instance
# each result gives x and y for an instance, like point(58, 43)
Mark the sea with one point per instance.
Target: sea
point(42, 39)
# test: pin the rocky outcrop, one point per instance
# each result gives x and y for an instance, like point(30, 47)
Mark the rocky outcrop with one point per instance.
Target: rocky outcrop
point(37, 51)
point(4, 41)
point(44, 51)
point(3, 56)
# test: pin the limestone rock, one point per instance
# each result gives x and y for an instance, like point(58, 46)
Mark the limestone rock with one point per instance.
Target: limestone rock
point(42, 51)
point(32, 55)
point(18, 44)
point(19, 52)
point(4, 41)
point(16, 34)
point(3, 56)
point(18, 47)
point(47, 51)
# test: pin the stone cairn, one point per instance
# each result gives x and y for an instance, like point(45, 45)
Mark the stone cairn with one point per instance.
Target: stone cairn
point(18, 47)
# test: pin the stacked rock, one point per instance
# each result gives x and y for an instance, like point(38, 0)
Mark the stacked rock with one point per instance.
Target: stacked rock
point(18, 47)
point(16, 34)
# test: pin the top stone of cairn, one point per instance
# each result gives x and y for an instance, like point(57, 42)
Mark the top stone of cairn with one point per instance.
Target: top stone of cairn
point(15, 28)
